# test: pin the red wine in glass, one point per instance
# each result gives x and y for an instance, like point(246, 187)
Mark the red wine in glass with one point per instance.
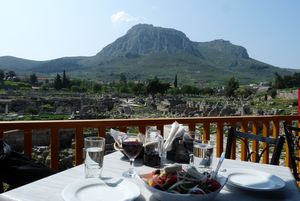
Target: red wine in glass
point(132, 148)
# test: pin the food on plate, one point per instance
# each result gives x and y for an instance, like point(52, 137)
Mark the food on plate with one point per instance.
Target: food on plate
point(176, 179)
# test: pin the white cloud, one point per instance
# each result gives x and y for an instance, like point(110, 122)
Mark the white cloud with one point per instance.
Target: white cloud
point(121, 17)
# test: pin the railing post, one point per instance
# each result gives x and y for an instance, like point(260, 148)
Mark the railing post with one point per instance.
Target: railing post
point(192, 127)
point(142, 129)
point(233, 146)
point(275, 128)
point(28, 142)
point(206, 131)
point(161, 128)
point(1, 133)
point(102, 132)
point(288, 162)
point(266, 130)
point(79, 146)
point(54, 148)
point(254, 143)
point(219, 138)
point(244, 128)
point(123, 129)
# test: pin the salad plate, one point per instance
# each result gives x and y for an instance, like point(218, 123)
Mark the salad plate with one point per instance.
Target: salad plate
point(254, 180)
point(94, 190)
point(208, 192)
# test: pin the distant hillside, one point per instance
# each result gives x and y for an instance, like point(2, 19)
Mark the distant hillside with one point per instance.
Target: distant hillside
point(18, 64)
point(146, 51)
point(58, 65)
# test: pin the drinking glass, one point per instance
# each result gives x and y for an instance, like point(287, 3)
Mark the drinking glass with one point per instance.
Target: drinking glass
point(131, 146)
point(203, 155)
point(152, 148)
point(94, 153)
point(188, 143)
point(188, 139)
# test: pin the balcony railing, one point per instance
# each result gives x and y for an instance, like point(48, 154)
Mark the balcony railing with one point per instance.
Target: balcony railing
point(265, 125)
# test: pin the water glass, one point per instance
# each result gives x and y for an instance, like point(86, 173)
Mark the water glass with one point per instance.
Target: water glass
point(152, 148)
point(203, 155)
point(188, 139)
point(94, 148)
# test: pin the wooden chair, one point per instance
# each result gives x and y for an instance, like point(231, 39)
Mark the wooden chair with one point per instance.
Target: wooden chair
point(246, 137)
point(18, 169)
point(293, 142)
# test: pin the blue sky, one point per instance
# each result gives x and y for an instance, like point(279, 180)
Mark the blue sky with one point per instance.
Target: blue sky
point(49, 29)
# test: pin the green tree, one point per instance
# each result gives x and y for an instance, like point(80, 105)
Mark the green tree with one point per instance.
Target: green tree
point(124, 89)
point(175, 81)
point(123, 79)
point(174, 91)
point(80, 89)
point(231, 87)
point(272, 92)
point(33, 79)
point(45, 87)
point(245, 91)
point(279, 82)
point(297, 79)
point(76, 82)
point(97, 88)
point(10, 75)
point(32, 111)
point(155, 86)
point(2, 76)
point(65, 81)
point(208, 91)
point(58, 82)
point(188, 89)
point(139, 89)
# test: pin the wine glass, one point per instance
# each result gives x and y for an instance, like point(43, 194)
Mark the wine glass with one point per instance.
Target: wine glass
point(131, 146)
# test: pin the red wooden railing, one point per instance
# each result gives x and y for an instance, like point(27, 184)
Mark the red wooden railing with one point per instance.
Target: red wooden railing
point(265, 125)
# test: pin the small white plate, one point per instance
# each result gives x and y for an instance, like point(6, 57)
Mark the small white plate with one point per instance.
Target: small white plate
point(96, 190)
point(254, 180)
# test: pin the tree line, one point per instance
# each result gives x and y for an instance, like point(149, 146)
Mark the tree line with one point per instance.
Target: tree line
point(287, 81)
point(151, 86)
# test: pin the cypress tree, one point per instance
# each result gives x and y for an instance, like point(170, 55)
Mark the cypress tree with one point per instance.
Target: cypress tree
point(58, 82)
point(175, 81)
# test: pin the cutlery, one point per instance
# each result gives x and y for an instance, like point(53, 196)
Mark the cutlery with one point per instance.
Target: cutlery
point(215, 173)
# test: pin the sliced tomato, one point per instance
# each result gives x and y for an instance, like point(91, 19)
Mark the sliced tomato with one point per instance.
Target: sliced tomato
point(213, 185)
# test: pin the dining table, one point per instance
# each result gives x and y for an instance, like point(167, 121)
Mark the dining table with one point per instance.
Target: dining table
point(50, 188)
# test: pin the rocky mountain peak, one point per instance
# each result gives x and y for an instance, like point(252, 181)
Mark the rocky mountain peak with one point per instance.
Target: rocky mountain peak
point(143, 39)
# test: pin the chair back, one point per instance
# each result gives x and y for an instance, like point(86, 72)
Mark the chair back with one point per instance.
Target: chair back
point(293, 142)
point(247, 137)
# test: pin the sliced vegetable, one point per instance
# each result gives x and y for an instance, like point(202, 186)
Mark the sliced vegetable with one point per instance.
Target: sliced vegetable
point(175, 179)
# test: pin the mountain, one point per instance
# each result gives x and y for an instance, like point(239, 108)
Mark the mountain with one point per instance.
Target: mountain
point(58, 65)
point(146, 51)
point(18, 64)
point(144, 39)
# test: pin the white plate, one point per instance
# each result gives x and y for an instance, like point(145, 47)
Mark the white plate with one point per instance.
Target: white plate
point(254, 180)
point(96, 190)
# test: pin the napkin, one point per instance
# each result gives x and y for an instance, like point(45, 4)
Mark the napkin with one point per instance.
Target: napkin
point(117, 135)
point(177, 130)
